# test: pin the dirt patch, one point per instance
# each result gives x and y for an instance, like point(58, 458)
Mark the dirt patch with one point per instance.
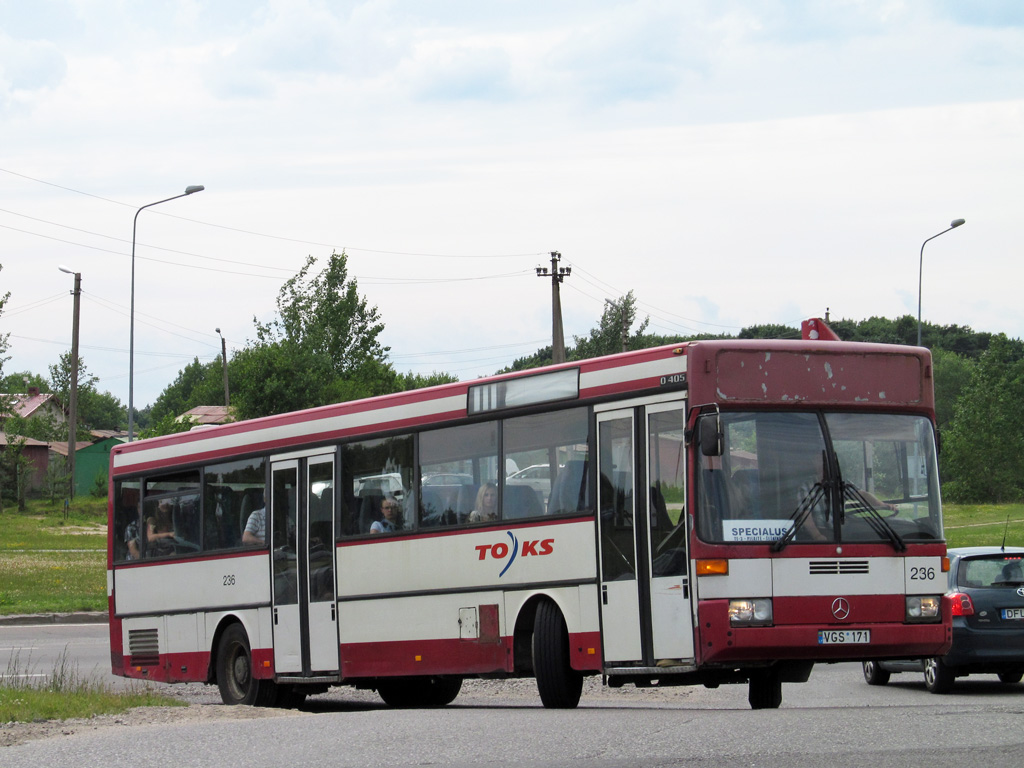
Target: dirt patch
point(18, 733)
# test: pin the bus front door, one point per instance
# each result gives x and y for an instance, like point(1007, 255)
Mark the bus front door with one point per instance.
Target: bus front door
point(302, 548)
point(646, 613)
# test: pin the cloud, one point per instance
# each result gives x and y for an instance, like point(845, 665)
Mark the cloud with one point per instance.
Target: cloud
point(463, 73)
point(27, 67)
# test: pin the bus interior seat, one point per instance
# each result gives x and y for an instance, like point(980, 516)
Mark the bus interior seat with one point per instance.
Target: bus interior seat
point(436, 508)
point(466, 501)
point(746, 494)
point(319, 526)
point(369, 508)
point(568, 492)
point(186, 519)
point(520, 501)
point(660, 520)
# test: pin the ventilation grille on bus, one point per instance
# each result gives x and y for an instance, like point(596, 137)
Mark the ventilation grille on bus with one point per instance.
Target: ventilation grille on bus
point(144, 647)
point(820, 567)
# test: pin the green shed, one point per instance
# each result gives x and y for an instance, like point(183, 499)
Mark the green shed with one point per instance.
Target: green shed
point(93, 462)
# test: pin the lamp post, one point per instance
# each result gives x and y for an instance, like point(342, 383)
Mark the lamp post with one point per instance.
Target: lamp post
point(73, 397)
point(224, 365)
point(131, 323)
point(920, 271)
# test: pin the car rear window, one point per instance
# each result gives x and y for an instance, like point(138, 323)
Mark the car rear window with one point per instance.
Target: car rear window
point(994, 571)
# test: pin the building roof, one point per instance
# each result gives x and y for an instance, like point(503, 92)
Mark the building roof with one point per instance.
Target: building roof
point(29, 441)
point(29, 404)
point(208, 414)
point(62, 448)
point(105, 434)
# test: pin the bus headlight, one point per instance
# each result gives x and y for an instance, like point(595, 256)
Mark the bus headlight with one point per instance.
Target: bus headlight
point(924, 608)
point(756, 612)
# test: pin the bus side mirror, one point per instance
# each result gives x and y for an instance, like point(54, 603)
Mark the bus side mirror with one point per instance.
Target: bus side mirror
point(710, 432)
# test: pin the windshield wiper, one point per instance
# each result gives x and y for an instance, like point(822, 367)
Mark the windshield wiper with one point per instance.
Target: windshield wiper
point(799, 516)
point(875, 519)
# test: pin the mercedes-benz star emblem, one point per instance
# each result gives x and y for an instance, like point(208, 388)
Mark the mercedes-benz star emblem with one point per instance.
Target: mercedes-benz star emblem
point(840, 608)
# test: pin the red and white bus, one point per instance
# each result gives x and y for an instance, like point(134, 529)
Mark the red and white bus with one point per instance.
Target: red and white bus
point(705, 513)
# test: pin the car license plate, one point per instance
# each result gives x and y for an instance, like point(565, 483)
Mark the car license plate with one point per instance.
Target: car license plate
point(844, 636)
point(1013, 613)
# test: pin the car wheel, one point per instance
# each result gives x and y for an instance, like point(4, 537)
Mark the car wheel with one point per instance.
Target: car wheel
point(938, 678)
point(874, 674)
point(1011, 676)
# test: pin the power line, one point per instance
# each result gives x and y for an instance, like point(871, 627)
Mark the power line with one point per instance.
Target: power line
point(278, 237)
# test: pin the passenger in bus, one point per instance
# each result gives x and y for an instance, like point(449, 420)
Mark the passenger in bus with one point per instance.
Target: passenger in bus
point(486, 508)
point(255, 533)
point(131, 540)
point(391, 509)
point(160, 531)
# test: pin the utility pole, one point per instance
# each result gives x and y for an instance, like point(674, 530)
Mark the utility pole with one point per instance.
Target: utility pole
point(73, 398)
point(224, 365)
point(557, 274)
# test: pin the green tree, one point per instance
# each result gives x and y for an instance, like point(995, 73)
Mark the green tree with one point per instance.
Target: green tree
point(96, 410)
point(612, 333)
point(410, 380)
point(952, 374)
point(169, 424)
point(769, 331)
point(196, 384)
point(321, 348)
point(19, 382)
point(983, 459)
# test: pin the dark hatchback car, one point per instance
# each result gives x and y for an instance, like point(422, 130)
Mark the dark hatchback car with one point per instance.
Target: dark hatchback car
point(987, 586)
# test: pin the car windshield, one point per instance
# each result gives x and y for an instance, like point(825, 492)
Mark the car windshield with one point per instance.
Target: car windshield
point(1000, 570)
point(812, 477)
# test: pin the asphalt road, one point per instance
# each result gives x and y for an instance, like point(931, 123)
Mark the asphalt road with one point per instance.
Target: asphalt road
point(834, 719)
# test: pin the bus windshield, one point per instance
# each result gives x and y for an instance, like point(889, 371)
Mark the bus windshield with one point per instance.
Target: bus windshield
point(818, 477)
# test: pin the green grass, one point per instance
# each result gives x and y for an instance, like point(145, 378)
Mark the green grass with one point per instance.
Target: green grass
point(976, 525)
point(64, 694)
point(49, 564)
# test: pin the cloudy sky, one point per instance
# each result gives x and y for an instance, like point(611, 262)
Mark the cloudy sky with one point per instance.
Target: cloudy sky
point(733, 162)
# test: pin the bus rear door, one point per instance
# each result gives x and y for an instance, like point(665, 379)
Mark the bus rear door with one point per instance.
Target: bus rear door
point(302, 550)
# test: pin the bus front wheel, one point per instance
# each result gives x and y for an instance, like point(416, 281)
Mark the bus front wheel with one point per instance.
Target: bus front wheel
point(559, 684)
point(234, 672)
point(765, 689)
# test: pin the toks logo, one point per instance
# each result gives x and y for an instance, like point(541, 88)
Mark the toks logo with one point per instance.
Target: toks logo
point(500, 551)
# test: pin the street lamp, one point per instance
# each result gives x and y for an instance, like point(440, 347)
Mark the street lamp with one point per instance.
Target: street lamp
point(73, 397)
point(224, 364)
point(920, 270)
point(131, 331)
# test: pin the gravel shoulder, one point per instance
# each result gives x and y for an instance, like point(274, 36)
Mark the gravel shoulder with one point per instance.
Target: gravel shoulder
point(204, 705)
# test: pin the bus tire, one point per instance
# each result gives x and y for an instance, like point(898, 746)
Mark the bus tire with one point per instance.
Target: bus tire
point(874, 674)
point(234, 672)
point(559, 684)
point(764, 691)
point(441, 691)
point(291, 696)
point(938, 678)
point(409, 692)
point(1011, 676)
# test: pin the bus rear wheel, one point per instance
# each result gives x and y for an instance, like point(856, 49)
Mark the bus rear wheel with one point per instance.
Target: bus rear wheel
point(559, 684)
point(234, 672)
